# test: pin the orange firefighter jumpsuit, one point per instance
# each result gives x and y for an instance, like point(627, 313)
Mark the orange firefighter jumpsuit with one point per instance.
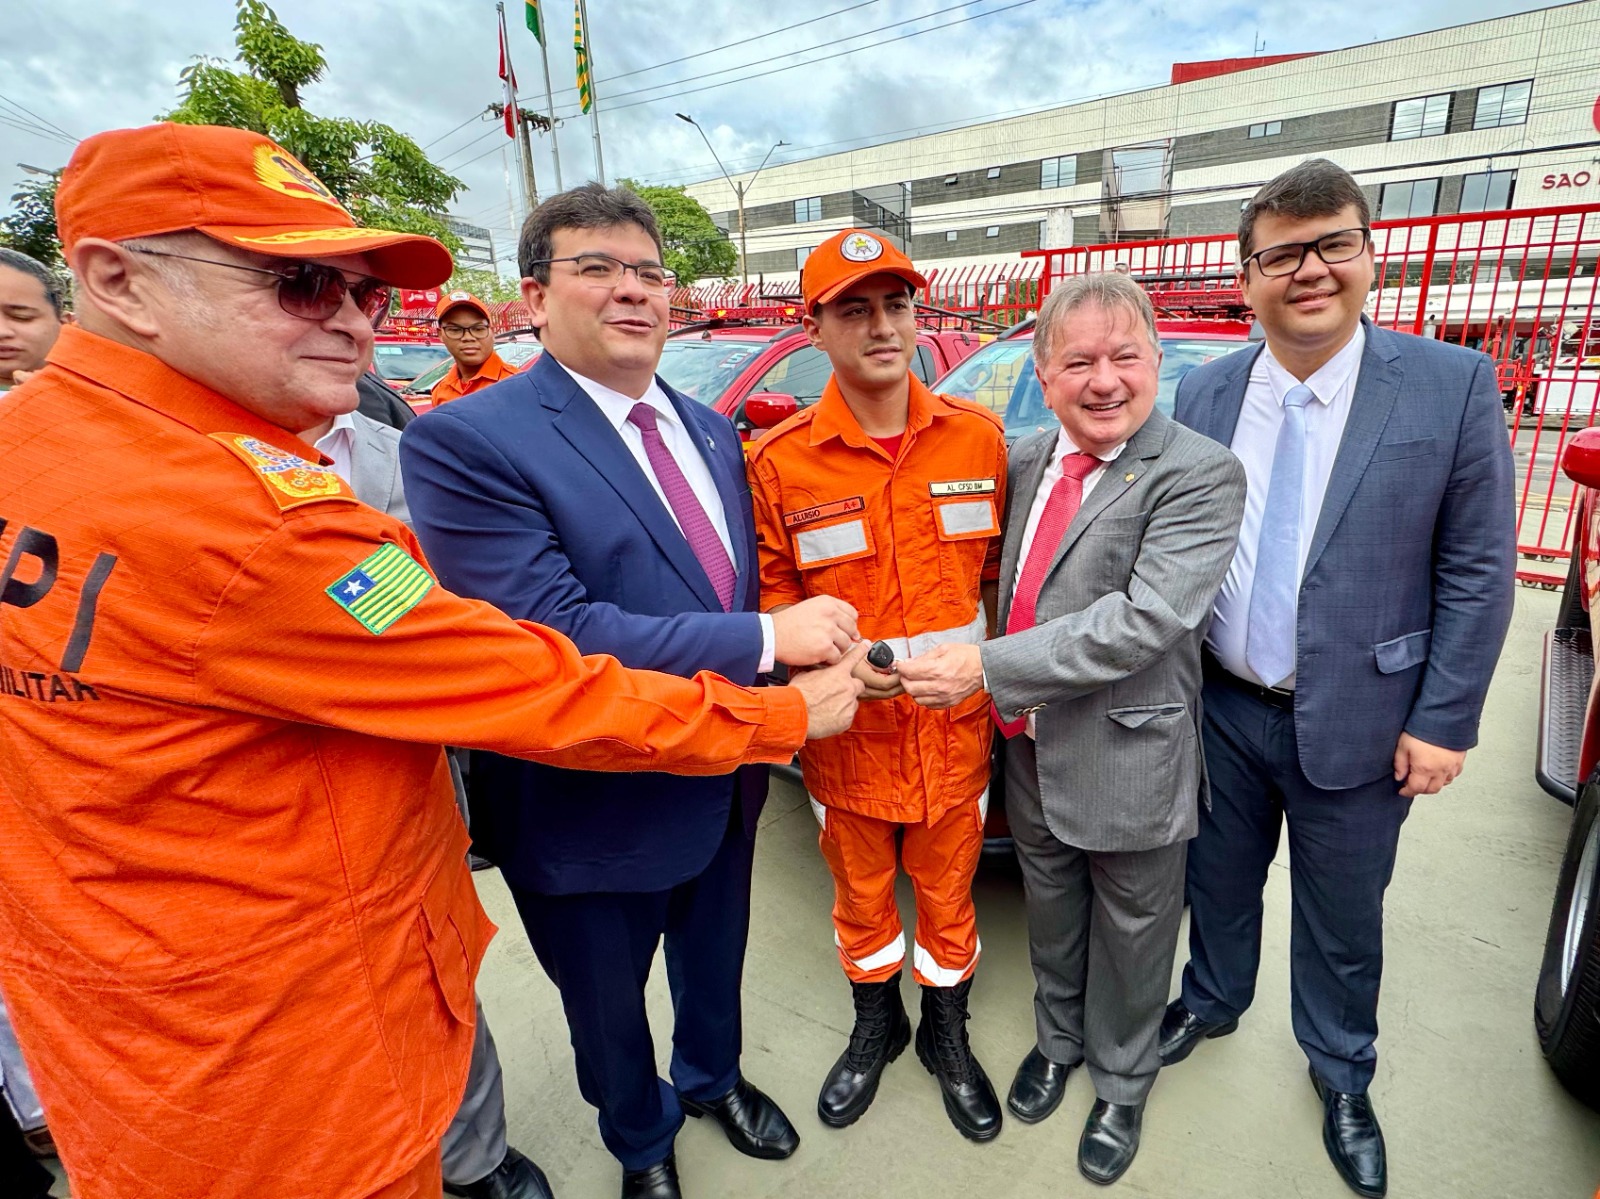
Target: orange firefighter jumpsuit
point(238, 937)
point(907, 542)
point(453, 386)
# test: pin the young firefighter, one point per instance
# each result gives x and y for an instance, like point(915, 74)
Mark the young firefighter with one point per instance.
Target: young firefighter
point(888, 497)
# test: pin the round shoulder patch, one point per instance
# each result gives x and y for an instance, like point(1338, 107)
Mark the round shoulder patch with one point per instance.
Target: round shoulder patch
point(861, 247)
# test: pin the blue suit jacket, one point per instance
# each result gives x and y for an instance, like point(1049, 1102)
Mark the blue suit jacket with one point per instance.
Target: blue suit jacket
point(524, 495)
point(1407, 590)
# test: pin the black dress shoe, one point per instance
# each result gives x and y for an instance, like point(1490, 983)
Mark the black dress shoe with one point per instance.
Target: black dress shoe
point(1181, 1031)
point(659, 1181)
point(514, 1178)
point(755, 1125)
point(1110, 1139)
point(1354, 1142)
point(942, 1046)
point(1037, 1089)
point(881, 1033)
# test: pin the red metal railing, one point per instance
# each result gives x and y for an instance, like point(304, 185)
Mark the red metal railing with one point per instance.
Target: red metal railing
point(1518, 285)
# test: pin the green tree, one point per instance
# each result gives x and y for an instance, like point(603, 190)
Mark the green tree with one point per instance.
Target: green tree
point(486, 285)
point(378, 173)
point(694, 246)
point(30, 227)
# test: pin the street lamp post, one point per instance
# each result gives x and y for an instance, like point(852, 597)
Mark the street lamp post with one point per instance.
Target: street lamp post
point(739, 190)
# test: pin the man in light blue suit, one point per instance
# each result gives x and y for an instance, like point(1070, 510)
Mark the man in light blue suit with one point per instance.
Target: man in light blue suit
point(1354, 638)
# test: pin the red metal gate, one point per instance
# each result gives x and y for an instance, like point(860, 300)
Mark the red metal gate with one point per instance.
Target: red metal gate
point(1518, 285)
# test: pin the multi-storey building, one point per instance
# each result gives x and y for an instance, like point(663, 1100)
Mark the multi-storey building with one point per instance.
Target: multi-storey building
point(1496, 114)
point(477, 245)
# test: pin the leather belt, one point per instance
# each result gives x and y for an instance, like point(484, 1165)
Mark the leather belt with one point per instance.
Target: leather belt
point(1276, 697)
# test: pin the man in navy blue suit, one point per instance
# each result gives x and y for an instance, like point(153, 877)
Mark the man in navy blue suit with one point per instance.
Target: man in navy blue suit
point(587, 495)
point(1353, 640)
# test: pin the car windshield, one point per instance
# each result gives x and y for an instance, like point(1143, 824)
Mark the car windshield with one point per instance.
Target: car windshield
point(704, 368)
point(514, 354)
point(405, 360)
point(1000, 377)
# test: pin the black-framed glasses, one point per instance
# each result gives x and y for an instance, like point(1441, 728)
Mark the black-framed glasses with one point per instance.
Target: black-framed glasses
point(1339, 246)
point(606, 271)
point(455, 332)
point(309, 290)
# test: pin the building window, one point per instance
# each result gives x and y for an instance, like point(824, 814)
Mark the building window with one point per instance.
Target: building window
point(1058, 172)
point(1266, 129)
point(950, 180)
point(992, 231)
point(1487, 192)
point(1503, 104)
point(951, 235)
point(1422, 117)
point(1413, 198)
point(1139, 169)
point(801, 253)
point(808, 210)
point(994, 172)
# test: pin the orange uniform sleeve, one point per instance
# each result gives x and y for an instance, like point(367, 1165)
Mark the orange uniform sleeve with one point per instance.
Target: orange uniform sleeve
point(780, 578)
point(991, 560)
point(332, 621)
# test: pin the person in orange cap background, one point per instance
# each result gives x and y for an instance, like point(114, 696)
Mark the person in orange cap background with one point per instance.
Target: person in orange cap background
point(468, 335)
point(237, 931)
point(889, 497)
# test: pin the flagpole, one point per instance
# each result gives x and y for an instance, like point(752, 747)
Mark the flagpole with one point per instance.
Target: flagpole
point(550, 104)
point(530, 190)
point(594, 100)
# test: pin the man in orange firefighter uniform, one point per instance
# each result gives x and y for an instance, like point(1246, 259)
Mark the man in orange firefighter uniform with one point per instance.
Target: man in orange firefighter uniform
point(889, 497)
point(238, 935)
point(466, 331)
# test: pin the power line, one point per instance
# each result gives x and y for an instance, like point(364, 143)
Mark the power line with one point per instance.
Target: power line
point(28, 112)
point(37, 130)
point(463, 148)
point(475, 116)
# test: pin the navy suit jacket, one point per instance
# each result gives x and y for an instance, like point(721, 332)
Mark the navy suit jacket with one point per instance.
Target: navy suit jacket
point(524, 495)
point(1407, 589)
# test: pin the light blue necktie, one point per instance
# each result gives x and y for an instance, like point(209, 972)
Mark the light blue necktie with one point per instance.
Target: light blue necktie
point(1269, 638)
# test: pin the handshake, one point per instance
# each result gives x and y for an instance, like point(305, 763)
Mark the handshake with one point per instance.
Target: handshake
point(821, 632)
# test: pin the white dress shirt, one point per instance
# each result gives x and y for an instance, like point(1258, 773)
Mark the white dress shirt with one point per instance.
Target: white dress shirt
point(338, 444)
point(1255, 439)
point(679, 440)
point(1052, 476)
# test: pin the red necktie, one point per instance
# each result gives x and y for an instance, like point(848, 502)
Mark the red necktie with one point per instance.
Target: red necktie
point(1065, 498)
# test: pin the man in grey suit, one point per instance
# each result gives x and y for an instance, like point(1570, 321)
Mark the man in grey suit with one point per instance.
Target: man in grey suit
point(478, 1163)
point(1121, 527)
point(1354, 638)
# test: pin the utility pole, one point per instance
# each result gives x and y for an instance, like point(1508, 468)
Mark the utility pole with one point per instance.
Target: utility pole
point(740, 190)
point(524, 119)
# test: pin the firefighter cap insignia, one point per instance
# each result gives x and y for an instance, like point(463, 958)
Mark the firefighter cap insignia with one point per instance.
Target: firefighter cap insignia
point(861, 247)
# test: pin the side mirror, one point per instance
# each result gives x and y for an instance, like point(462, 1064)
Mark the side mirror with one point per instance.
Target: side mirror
point(765, 409)
point(1581, 460)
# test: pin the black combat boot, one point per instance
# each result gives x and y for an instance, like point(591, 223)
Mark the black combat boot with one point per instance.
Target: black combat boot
point(881, 1034)
point(969, 1099)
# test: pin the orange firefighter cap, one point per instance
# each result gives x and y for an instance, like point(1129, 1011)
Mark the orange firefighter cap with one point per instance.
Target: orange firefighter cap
point(232, 185)
point(848, 257)
point(460, 299)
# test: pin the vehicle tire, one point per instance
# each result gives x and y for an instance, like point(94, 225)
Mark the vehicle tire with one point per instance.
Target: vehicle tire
point(1566, 1006)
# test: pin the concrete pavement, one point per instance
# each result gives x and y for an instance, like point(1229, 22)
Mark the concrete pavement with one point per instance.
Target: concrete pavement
point(1467, 1105)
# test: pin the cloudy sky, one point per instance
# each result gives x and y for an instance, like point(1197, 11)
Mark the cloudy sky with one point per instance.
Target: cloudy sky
point(823, 75)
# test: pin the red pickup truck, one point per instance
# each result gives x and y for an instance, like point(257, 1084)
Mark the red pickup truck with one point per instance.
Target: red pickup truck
point(1566, 1010)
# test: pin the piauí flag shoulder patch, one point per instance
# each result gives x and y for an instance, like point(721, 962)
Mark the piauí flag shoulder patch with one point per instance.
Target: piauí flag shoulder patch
point(382, 589)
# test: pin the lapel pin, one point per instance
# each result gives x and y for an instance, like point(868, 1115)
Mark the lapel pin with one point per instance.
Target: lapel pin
point(1128, 478)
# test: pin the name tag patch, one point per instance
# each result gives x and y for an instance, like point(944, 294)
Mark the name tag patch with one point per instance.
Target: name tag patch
point(806, 516)
point(962, 487)
point(969, 516)
point(382, 589)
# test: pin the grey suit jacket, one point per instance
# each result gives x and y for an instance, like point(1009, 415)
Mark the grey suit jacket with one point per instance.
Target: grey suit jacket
point(1409, 581)
point(1111, 669)
point(375, 467)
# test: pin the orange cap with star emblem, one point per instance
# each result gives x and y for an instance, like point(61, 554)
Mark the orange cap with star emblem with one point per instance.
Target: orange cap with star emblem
point(232, 185)
point(847, 257)
point(460, 299)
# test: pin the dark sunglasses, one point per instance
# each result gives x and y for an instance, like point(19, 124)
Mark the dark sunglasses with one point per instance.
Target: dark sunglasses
point(309, 290)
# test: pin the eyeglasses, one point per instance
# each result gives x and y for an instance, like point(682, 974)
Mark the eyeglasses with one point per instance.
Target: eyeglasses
point(309, 290)
point(1340, 246)
point(606, 271)
point(454, 331)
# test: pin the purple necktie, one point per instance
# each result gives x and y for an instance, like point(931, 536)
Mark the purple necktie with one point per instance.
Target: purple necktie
point(697, 528)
